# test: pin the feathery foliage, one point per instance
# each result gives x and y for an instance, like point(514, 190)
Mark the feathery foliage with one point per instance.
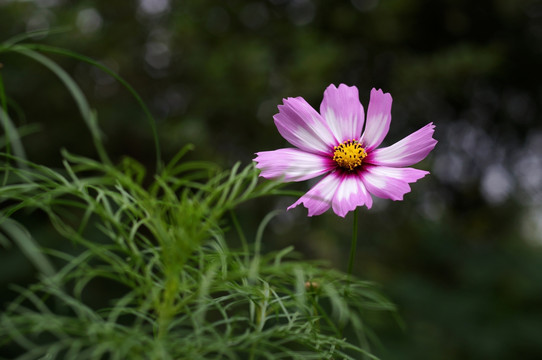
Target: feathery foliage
point(178, 290)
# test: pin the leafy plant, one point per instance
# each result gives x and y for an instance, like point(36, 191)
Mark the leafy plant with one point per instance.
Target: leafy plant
point(176, 289)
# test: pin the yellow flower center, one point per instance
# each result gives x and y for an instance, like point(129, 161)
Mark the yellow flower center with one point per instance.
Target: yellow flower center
point(349, 154)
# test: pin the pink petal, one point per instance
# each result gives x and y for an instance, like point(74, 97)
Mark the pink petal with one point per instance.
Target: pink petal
point(343, 112)
point(303, 127)
point(407, 151)
point(350, 194)
point(390, 182)
point(292, 164)
point(318, 199)
point(378, 119)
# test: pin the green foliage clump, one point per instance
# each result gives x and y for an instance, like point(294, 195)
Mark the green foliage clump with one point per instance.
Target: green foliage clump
point(176, 288)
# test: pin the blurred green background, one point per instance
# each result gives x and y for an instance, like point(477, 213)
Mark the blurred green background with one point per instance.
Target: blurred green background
point(461, 256)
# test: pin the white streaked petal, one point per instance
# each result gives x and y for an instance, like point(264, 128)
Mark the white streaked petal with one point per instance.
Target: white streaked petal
point(303, 127)
point(318, 199)
point(378, 119)
point(407, 151)
point(343, 112)
point(292, 164)
point(390, 182)
point(350, 194)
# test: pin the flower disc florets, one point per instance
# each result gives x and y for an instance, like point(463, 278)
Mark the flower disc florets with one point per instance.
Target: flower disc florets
point(349, 155)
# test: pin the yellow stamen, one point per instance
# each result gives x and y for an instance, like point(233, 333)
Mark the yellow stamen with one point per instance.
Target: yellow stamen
point(349, 155)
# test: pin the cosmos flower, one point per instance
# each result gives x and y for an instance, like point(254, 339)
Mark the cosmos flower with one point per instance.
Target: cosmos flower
point(333, 143)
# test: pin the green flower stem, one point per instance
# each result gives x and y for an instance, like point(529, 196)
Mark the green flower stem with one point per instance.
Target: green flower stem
point(353, 243)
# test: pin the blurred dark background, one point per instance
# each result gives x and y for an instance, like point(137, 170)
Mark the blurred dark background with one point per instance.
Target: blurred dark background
point(461, 256)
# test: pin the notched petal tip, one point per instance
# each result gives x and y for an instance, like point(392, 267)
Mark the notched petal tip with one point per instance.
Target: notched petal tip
point(342, 87)
point(380, 92)
point(311, 210)
point(258, 158)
